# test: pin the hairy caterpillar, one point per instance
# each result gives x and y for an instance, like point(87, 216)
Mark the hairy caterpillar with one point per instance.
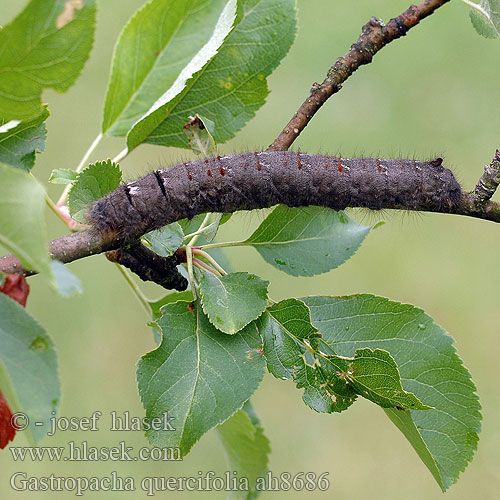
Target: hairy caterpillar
point(261, 179)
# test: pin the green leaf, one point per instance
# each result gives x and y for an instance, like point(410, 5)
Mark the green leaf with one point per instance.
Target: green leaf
point(247, 448)
point(63, 176)
point(197, 375)
point(165, 241)
point(307, 241)
point(446, 436)
point(156, 305)
point(190, 226)
point(485, 17)
point(404, 421)
point(231, 87)
point(28, 367)
point(232, 301)
point(67, 284)
point(155, 45)
point(281, 326)
point(22, 225)
point(92, 184)
point(215, 219)
point(199, 132)
point(375, 375)
point(45, 46)
point(209, 231)
point(143, 127)
point(288, 338)
point(19, 144)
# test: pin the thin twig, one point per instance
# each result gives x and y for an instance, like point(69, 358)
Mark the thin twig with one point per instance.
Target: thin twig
point(209, 258)
point(374, 36)
point(135, 289)
point(489, 181)
point(203, 265)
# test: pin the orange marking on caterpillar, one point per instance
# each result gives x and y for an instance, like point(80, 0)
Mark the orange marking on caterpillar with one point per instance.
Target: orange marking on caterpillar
point(209, 172)
point(222, 171)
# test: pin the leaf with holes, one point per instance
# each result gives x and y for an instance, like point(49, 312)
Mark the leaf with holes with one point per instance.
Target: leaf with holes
point(445, 436)
point(287, 333)
point(374, 374)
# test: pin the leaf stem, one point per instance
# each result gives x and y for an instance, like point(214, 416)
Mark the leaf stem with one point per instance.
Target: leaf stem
point(55, 209)
point(135, 289)
point(199, 263)
point(477, 7)
point(121, 155)
point(189, 261)
point(200, 229)
point(207, 256)
point(224, 244)
point(80, 167)
point(50, 203)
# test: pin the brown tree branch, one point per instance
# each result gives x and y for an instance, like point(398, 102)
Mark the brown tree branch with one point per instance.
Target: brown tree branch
point(374, 36)
point(90, 242)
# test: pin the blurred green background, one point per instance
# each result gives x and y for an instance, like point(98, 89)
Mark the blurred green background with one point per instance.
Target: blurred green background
point(434, 92)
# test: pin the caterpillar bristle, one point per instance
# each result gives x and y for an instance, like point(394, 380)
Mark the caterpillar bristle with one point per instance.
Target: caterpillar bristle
point(256, 179)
